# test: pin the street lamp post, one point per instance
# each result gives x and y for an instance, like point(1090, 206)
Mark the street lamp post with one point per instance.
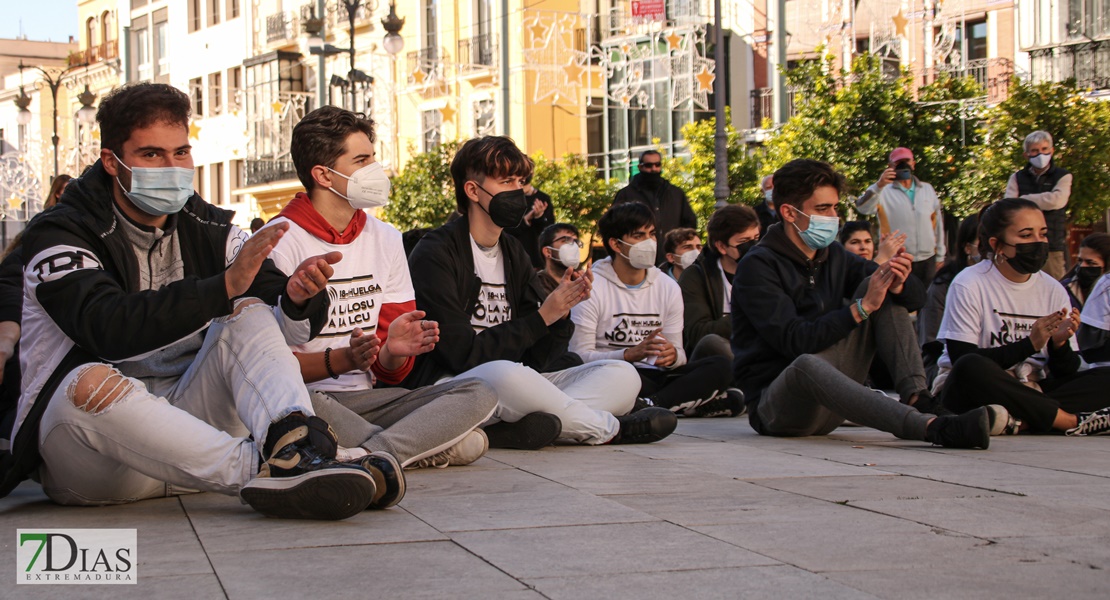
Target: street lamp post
point(52, 82)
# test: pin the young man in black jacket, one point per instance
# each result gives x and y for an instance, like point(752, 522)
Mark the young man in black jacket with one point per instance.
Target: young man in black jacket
point(155, 340)
point(672, 209)
point(707, 284)
point(801, 355)
point(479, 285)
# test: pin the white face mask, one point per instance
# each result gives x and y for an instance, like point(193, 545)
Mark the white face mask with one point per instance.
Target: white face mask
point(769, 196)
point(687, 259)
point(641, 254)
point(568, 255)
point(367, 187)
point(1040, 161)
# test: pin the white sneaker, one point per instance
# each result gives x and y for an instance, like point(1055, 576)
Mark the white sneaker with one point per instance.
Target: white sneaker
point(469, 449)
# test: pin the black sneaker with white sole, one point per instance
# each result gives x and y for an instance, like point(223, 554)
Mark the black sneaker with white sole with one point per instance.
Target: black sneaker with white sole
point(969, 430)
point(532, 432)
point(1093, 423)
point(728, 404)
point(301, 478)
point(645, 426)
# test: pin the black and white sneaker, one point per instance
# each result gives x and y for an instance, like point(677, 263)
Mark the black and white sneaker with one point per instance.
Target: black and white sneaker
point(1094, 423)
point(641, 404)
point(645, 426)
point(301, 478)
point(532, 432)
point(728, 404)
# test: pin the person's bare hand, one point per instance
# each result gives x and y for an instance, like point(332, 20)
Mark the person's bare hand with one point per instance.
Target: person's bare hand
point(886, 178)
point(410, 335)
point(311, 277)
point(1044, 328)
point(901, 266)
point(877, 288)
point(363, 350)
point(1067, 328)
point(538, 208)
point(570, 292)
point(889, 245)
point(651, 345)
point(668, 354)
point(241, 273)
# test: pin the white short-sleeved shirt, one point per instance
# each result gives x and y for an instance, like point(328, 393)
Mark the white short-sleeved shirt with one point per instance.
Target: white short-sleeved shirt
point(493, 304)
point(988, 310)
point(1096, 311)
point(373, 272)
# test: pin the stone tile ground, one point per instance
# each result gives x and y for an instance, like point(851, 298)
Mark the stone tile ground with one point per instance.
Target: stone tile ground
point(714, 511)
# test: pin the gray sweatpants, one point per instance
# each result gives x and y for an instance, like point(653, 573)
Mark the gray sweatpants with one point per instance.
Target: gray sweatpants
point(817, 392)
point(410, 425)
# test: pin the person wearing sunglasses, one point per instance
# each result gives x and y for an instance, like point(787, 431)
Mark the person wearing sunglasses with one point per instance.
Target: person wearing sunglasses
point(668, 202)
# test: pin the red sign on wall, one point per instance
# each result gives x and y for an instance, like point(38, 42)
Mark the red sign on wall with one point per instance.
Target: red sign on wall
point(648, 9)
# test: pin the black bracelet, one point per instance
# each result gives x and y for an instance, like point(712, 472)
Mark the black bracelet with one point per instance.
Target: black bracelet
point(327, 364)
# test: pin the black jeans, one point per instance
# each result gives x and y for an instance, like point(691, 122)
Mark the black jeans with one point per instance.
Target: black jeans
point(978, 381)
point(685, 386)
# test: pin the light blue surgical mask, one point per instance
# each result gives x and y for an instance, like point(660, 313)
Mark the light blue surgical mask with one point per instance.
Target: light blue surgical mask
point(158, 191)
point(821, 231)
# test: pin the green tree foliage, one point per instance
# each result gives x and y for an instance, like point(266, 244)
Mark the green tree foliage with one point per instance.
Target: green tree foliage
point(1080, 128)
point(579, 196)
point(697, 176)
point(423, 193)
point(853, 120)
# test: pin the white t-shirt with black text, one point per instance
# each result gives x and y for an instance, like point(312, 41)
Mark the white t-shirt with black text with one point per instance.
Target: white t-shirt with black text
point(493, 304)
point(985, 308)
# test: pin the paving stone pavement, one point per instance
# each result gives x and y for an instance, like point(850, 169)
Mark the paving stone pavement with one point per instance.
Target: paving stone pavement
point(714, 511)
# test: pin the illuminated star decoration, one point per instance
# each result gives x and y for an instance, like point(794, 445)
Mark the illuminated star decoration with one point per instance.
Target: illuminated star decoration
point(418, 76)
point(573, 71)
point(538, 31)
point(558, 65)
point(194, 131)
point(674, 41)
point(14, 202)
point(278, 107)
point(900, 22)
point(447, 113)
point(705, 79)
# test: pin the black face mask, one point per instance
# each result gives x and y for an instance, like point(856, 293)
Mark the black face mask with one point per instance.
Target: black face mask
point(743, 248)
point(507, 209)
point(652, 178)
point(1087, 276)
point(1029, 257)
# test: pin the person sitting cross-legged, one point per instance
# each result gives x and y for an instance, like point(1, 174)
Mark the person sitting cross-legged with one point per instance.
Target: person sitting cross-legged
point(373, 330)
point(801, 353)
point(156, 340)
point(635, 314)
point(479, 286)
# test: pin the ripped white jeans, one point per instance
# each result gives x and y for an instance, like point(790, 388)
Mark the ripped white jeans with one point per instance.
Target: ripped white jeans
point(109, 439)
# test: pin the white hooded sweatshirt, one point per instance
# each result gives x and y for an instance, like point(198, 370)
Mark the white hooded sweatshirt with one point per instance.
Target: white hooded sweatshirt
point(617, 316)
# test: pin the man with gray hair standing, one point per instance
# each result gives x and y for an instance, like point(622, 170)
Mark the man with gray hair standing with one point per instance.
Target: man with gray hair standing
point(1049, 187)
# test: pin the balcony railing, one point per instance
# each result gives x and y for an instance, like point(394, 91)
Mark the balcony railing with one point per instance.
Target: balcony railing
point(478, 51)
point(257, 171)
point(763, 105)
point(992, 74)
point(429, 61)
point(94, 54)
point(281, 26)
point(1088, 63)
